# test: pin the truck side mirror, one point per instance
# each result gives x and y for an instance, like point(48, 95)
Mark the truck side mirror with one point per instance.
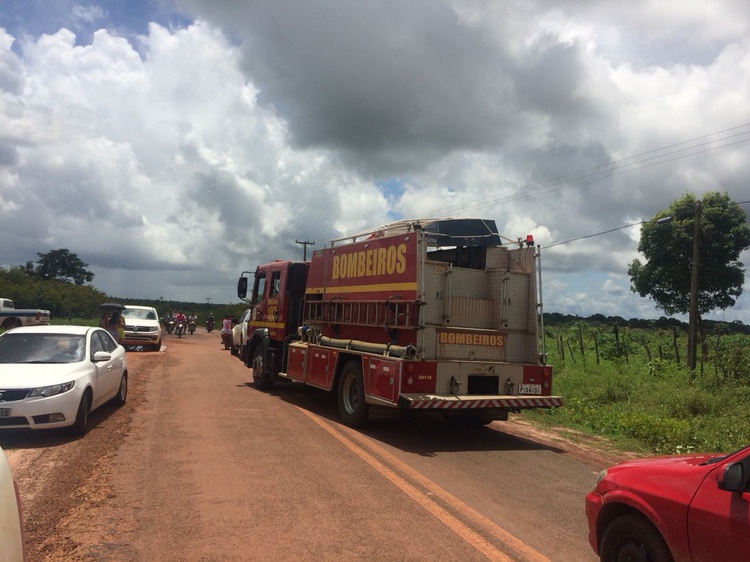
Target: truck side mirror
point(242, 287)
point(733, 478)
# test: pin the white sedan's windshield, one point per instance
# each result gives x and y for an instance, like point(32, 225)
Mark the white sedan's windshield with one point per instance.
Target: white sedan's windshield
point(42, 348)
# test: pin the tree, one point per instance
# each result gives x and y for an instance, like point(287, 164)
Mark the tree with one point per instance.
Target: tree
point(668, 246)
point(62, 265)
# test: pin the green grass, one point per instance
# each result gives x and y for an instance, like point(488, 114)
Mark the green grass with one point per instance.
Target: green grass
point(655, 406)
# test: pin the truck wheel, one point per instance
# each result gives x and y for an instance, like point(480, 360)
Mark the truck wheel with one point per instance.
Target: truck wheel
point(261, 377)
point(631, 537)
point(351, 393)
point(12, 323)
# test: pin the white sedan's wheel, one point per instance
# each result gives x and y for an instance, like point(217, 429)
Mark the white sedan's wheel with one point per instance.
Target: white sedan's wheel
point(81, 425)
point(122, 392)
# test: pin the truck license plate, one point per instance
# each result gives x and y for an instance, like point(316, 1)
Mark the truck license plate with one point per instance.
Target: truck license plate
point(529, 389)
point(4, 412)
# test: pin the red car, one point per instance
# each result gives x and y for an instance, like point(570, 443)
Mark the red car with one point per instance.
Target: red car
point(673, 509)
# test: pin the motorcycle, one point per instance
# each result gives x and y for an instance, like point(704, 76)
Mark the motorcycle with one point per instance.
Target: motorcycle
point(191, 327)
point(169, 325)
point(179, 329)
point(210, 325)
point(226, 339)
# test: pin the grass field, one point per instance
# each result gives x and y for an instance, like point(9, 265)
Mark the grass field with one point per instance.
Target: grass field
point(629, 386)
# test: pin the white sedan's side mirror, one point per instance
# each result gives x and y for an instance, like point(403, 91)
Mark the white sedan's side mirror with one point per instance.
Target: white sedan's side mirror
point(102, 356)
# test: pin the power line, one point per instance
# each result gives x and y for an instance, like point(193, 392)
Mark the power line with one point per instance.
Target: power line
point(612, 230)
point(633, 163)
point(592, 235)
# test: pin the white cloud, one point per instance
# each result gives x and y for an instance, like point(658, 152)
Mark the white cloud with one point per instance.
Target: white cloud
point(195, 151)
point(87, 14)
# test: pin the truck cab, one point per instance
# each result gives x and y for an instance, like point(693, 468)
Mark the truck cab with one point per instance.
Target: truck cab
point(276, 303)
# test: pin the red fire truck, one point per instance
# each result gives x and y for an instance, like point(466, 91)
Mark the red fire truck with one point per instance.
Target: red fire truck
point(417, 315)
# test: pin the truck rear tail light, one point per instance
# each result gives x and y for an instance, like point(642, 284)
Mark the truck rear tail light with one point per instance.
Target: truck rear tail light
point(419, 376)
point(537, 379)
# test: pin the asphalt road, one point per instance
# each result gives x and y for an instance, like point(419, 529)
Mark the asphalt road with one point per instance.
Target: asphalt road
point(201, 466)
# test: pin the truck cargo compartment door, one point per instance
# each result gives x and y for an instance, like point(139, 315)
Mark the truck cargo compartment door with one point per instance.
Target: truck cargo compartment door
point(382, 378)
point(296, 360)
point(436, 311)
point(321, 363)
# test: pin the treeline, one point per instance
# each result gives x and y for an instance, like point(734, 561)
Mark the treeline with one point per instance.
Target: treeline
point(556, 319)
point(68, 301)
point(61, 298)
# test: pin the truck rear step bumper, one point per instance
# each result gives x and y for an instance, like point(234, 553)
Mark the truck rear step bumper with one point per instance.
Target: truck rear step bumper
point(433, 402)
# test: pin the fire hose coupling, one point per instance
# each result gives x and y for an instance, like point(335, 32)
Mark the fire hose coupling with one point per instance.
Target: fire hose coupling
point(455, 386)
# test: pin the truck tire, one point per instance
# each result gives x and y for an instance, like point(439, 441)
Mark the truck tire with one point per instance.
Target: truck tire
point(351, 395)
point(261, 377)
point(12, 323)
point(633, 537)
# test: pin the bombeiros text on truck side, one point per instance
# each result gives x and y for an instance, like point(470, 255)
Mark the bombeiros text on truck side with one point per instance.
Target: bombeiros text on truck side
point(417, 315)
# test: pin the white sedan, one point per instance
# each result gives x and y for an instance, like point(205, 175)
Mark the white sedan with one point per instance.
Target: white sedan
point(11, 521)
point(54, 376)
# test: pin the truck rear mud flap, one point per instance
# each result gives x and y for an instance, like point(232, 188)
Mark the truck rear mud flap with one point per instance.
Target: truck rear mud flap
point(478, 403)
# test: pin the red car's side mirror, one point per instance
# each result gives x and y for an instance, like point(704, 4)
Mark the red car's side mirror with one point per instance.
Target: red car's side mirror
point(733, 478)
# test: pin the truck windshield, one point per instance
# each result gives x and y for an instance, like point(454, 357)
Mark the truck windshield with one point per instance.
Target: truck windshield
point(139, 313)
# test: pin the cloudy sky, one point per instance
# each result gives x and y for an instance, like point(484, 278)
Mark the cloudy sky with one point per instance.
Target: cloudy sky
point(172, 144)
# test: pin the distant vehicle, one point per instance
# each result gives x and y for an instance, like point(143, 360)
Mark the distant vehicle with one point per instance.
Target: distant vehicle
point(678, 508)
point(239, 335)
point(12, 317)
point(11, 519)
point(54, 376)
point(141, 327)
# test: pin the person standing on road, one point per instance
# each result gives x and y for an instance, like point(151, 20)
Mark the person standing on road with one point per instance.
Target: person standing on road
point(104, 322)
point(116, 327)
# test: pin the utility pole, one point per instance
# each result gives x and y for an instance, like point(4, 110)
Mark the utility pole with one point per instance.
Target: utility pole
point(305, 243)
point(694, 287)
point(208, 301)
